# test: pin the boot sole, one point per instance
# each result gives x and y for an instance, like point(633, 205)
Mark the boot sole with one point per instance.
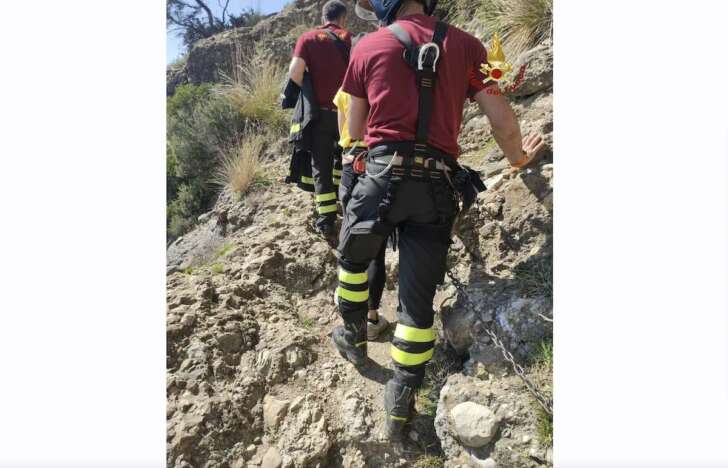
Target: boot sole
point(354, 359)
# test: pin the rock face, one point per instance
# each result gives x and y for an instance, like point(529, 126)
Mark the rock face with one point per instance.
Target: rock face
point(504, 253)
point(538, 75)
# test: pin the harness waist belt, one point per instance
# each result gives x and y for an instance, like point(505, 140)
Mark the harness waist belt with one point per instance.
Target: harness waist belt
point(407, 149)
point(403, 161)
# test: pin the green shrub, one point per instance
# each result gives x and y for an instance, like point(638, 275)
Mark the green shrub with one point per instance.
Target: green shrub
point(308, 323)
point(172, 181)
point(207, 142)
point(199, 124)
point(224, 249)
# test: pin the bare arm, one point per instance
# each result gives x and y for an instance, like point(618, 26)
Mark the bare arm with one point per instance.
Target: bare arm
point(296, 70)
point(358, 112)
point(503, 122)
point(519, 151)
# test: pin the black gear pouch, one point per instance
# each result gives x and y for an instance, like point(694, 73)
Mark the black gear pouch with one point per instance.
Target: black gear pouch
point(361, 242)
point(468, 184)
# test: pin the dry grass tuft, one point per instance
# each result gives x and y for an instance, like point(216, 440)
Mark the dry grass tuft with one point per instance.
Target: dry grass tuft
point(239, 164)
point(255, 88)
point(521, 24)
point(542, 370)
point(429, 461)
point(536, 276)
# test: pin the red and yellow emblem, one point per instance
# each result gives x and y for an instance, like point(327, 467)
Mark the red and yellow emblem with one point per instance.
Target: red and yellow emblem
point(496, 67)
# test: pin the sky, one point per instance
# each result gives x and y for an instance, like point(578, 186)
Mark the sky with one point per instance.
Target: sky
point(175, 48)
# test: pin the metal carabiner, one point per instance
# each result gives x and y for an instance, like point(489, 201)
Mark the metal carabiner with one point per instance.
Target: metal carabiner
point(423, 54)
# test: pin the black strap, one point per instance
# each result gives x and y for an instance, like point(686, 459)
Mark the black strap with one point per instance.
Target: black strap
point(340, 44)
point(425, 68)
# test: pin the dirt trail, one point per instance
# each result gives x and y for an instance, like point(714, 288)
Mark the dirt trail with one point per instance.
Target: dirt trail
point(367, 386)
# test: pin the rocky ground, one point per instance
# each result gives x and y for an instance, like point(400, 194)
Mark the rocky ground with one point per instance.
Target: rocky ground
point(253, 380)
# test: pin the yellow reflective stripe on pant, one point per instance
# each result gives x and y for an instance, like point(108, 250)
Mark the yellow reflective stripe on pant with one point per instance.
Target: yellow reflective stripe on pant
point(410, 359)
point(353, 287)
point(307, 180)
point(326, 197)
point(327, 209)
point(417, 335)
point(337, 173)
point(326, 202)
point(295, 128)
point(412, 346)
point(353, 296)
point(353, 278)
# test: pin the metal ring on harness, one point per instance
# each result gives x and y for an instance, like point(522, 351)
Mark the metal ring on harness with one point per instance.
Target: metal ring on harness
point(423, 55)
point(383, 171)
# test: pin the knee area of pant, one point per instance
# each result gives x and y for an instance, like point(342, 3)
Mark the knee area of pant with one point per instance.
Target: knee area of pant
point(428, 232)
point(409, 376)
point(352, 267)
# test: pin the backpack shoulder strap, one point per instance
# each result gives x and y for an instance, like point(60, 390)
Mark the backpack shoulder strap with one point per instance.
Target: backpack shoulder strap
point(341, 45)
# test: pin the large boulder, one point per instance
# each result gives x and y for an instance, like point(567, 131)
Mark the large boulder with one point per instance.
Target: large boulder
point(474, 425)
point(487, 421)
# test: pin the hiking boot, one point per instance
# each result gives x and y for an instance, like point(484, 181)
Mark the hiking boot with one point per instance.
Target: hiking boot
point(350, 349)
point(399, 403)
point(376, 329)
point(327, 230)
point(330, 234)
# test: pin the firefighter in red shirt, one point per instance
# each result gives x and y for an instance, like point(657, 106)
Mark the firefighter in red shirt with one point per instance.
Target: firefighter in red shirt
point(324, 54)
point(408, 84)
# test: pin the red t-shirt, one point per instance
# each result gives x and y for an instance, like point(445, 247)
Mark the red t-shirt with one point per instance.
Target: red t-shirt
point(378, 73)
point(324, 61)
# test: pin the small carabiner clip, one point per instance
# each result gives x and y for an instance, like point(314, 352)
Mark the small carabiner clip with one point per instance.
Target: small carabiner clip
point(423, 55)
